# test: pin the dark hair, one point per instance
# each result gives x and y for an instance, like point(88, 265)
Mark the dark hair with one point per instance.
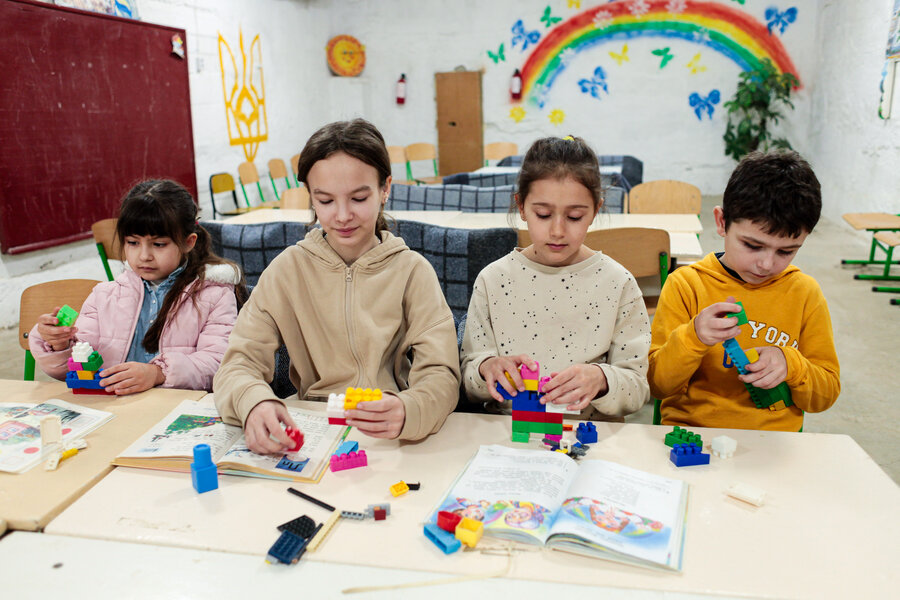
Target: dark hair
point(357, 138)
point(163, 208)
point(560, 158)
point(777, 190)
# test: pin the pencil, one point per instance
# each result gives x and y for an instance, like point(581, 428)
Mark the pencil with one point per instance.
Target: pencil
point(311, 499)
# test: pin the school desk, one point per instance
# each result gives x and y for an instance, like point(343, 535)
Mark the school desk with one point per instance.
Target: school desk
point(29, 500)
point(828, 527)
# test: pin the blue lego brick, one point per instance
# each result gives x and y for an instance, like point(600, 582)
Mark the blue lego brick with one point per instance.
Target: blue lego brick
point(586, 433)
point(444, 540)
point(736, 353)
point(347, 448)
point(528, 401)
point(203, 472)
point(688, 455)
point(287, 549)
point(72, 382)
point(503, 392)
point(761, 398)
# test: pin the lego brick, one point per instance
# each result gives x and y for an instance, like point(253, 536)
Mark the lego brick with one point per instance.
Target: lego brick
point(90, 392)
point(347, 447)
point(560, 409)
point(531, 427)
point(333, 421)
point(203, 472)
point(379, 514)
point(301, 526)
point(71, 365)
point(414, 486)
point(287, 549)
point(93, 363)
point(399, 488)
point(353, 396)
point(531, 385)
point(527, 401)
point(541, 384)
point(586, 433)
point(448, 520)
point(349, 514)
point(737, 355)
point(554, 437)
point(520, 437)
point(296, 436)
point(351, 460)
point(385, 506)
point(81, 352)
point(85, 375)
point(723, 446)
point(746, 493)
point(688, 455)
point(682, 436)
point(323, 531)
point(503, 393)
point(66, 316)
point(552, 443)
point(447, 542)
point(741, 315)
point(534, 417)
point(527, 373)
point(469, 531)
point(752, 355)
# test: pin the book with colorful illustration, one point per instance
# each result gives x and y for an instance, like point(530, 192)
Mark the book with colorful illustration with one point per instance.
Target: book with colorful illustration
point(20, 430)
point(169, 445)
point(595, 507)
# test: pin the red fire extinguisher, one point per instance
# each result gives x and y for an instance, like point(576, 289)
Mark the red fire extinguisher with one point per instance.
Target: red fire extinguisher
point(515, 86)
point(401, 89)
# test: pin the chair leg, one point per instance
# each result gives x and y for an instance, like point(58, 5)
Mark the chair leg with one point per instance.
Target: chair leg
point(274, 188)
point(105, 261)
point(657, 417)
point(29, 366)
point(889, 290)
point(246, 199)
point(663, 268)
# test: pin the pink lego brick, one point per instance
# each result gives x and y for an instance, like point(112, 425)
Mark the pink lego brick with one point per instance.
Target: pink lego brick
point(73, 366)
point(527, 373)
point(541, 383)
point(552, 436)
point(352, 460)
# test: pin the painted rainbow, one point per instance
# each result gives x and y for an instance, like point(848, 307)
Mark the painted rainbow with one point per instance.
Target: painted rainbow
point(726, 30)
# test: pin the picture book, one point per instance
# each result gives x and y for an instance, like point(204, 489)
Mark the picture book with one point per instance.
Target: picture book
point(595, 507)
point(20, 430)
point(169, 445)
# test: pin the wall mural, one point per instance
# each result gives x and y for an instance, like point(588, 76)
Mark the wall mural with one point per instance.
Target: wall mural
point(244, 93)
point(726, 29)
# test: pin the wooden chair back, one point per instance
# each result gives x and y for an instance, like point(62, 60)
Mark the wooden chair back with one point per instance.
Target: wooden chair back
point(499, 150)
point(44, 297)
point(277, 168)
point(248, 173)
point(638, 249)
point(295, 198)
point(421, 151)
point(295, 166)
point(221, 182)
point(105, 234)
point(397, 155)
point(664, 196)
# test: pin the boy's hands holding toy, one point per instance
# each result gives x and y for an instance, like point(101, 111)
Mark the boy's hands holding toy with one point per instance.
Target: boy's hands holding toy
point(379, 418)
point(263, 429)
point(131, 378)
point(576, 386)
point(56, 336)
point(495, 369)
point(713, 327)
point(769, 370)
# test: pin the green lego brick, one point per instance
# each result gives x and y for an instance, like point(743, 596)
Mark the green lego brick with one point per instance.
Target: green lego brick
point(521, 436)
point(766, 398)
point(682, 436)
point(533, 427)
point(66, 316)
point(95, 361)
point(741, 316)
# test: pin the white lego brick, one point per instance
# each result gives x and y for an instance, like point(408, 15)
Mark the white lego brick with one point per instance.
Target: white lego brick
point(747, 493)
point(51, 431)
point(81, 352)
point(723, 446)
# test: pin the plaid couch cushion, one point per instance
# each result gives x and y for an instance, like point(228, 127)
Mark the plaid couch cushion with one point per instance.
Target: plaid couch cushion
point(466, 198)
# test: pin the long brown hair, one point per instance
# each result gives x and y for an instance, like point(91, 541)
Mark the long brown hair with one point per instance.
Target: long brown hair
point(163, 208)
point(357, 138)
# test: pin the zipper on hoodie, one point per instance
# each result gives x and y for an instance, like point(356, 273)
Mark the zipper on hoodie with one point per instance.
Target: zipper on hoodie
point(348, 319)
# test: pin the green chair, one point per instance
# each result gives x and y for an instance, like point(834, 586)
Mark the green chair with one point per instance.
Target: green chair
point(295, 168)
point(107, 247)
point(278, 170)
point(247, 174)
point(422, 151)
point(499, 151)
point(887, 241)
point(44, 298)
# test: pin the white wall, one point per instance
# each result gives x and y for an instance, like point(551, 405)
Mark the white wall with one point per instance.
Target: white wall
point(856, 154)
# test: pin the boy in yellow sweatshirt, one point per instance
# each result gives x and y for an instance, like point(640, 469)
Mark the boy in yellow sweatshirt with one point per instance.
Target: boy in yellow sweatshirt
point(771, 204)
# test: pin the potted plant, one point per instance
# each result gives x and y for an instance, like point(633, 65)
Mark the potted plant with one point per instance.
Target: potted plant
point(757, 105)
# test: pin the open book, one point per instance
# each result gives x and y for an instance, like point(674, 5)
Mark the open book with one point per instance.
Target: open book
point(20, 430)
point(169, 445)
point(595, 507)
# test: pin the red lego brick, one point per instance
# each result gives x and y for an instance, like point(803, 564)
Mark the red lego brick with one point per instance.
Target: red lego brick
point(448, 521)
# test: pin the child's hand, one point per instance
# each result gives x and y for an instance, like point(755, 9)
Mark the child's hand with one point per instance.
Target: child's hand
point(264, 423)
point(380, 418)
point(492, 371)
point(131, 378)
point(57, 337)
point(576, 386)
point(713, 327)
point(769, 370)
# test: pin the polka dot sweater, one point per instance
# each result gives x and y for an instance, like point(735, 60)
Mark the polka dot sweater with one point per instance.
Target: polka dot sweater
point(589, 312)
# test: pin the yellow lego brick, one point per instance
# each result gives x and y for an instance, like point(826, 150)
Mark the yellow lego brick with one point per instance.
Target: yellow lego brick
point(531, 385)
point(777, 406)
point(510, 379)
point(399, 488)
point(354, 396)
point(469, 531)
point(85, 374)
point(752, 355)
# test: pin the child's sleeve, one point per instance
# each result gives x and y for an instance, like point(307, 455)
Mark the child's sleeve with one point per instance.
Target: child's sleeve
point(55, 363)
point(195, 371)
point(814, 374)
point(626, 366)
point(478, 343)
point(434, 371)
point(675, 350)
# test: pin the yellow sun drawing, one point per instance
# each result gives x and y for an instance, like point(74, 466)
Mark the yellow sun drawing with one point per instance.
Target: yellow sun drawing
point(557, 116)
point(517, 113)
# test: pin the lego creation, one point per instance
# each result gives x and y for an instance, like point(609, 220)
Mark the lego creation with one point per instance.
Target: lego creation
point(83, 375)
point(688, 455)
point(66, 316)
point(352, 460)
point(776, 398)
point(723, 446)
point(338, 403)
point(385, 506)
point(444, 540)
point(528, 414)
point(203, 472)
point(682, 436)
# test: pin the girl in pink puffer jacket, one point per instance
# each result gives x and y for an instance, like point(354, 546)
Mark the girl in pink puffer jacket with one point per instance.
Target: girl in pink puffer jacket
point(166, 319)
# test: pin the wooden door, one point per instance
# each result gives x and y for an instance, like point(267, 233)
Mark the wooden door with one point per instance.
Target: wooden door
point(459, 122)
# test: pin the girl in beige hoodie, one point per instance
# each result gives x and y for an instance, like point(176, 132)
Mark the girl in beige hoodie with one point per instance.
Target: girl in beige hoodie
point(354, 306)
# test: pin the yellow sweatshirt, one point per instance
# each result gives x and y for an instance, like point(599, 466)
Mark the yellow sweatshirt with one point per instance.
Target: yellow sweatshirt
point(697, 384)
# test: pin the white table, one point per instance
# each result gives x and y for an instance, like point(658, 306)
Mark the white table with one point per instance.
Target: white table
point(828, 528)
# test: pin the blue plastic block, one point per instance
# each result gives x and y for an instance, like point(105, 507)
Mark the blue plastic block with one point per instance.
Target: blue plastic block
point(736, 353)
point(73, 382)
point(528, 401)
point(347, 448)
point(586, 433)
point(688, 455)
point(203, 471)
point(444, 540)
point(503, 392)
point(287, 549)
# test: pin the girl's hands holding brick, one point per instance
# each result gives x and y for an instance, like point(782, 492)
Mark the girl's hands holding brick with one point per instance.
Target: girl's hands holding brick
point(57, 337)
point(379, 418)
point(131, 378)
point(713, 327)
point(263, 430)
point(769, 370)
point(494, 370)
point(575, 386)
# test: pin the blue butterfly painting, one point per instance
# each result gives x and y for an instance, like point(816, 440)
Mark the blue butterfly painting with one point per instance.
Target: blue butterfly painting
point(700, 104)
point(780, 20)
point(526, 37)
point(595, 84)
